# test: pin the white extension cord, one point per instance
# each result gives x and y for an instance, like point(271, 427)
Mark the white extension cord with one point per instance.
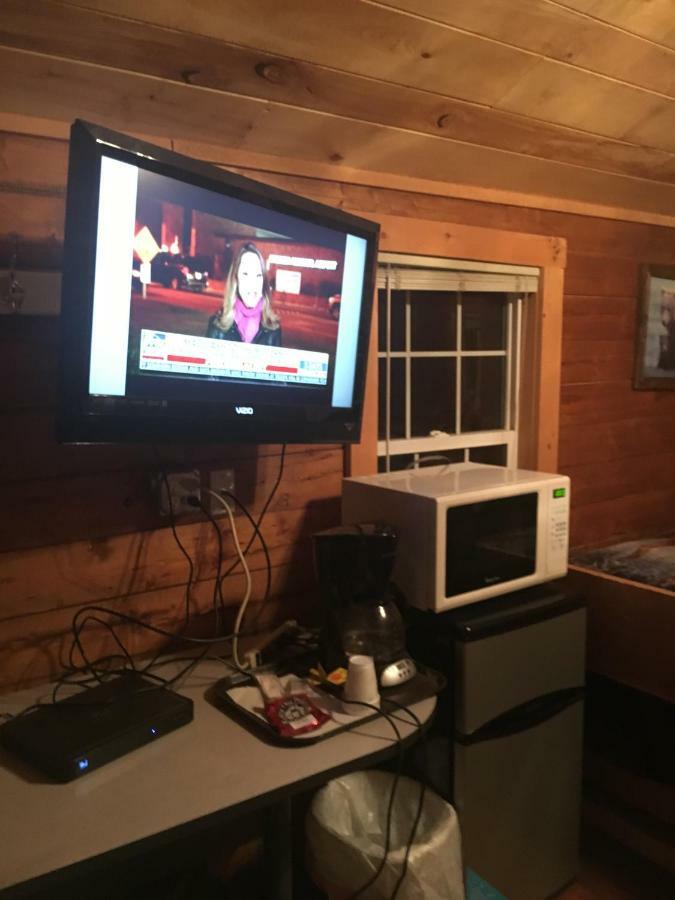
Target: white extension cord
point(247, 573)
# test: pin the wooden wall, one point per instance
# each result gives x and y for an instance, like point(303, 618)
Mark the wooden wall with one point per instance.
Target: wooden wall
point(617, 444)
point(78, 524)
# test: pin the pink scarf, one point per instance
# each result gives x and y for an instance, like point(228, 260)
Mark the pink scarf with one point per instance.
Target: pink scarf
point(248, 319)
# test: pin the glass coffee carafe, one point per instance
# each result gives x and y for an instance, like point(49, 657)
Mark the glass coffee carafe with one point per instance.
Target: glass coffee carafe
point(360, 604)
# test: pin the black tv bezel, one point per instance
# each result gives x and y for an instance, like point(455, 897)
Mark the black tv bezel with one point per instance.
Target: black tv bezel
point(212, 422)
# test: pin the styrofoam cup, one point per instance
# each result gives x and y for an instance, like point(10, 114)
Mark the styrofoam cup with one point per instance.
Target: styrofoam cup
point(361, 685)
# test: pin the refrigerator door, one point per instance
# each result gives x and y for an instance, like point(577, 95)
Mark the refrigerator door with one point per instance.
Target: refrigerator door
point(507, 668)
point(518, 797)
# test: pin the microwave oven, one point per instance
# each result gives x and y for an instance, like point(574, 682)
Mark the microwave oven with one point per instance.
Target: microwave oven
point(467, 531)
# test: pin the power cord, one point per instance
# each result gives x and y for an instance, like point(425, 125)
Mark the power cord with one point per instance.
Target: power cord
point(392, 795)
point(172, 523)
point(420, 802)
point(93, 668)
point(247, 573)
point(218, 601)
point(272, 494)
point(263, 543)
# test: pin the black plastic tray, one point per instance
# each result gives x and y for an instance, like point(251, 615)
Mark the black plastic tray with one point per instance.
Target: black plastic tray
point(426, 683)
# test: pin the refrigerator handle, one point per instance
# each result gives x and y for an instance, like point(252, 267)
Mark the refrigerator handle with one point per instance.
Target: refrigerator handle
point(525, 716)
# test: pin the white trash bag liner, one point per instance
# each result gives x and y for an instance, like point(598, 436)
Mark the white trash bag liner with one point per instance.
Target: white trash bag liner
point(346, 829)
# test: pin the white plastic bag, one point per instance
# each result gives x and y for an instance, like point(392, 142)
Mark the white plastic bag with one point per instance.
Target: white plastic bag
point(345, 831)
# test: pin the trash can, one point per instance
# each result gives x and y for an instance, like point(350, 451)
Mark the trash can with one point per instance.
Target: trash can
point(345, 838)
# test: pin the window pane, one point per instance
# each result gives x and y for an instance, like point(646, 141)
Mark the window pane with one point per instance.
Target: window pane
point(483, 321)
point(397, 320)
point(483, 393)
point(397, 423)
point(443, 457)
point(407, 460)
point(396, 463)
point(432, 384)
point(433, 317)
point(491, 456)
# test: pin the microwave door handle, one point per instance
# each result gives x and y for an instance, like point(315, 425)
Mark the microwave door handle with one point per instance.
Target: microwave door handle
point(527, 715)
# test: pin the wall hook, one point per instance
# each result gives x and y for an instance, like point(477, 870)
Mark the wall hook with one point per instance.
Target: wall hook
point(12, 291)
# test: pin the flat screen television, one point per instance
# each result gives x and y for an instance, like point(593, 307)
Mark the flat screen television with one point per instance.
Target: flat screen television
point(201, 306)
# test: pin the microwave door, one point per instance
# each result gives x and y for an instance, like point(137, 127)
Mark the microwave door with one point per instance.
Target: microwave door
point(490, 542)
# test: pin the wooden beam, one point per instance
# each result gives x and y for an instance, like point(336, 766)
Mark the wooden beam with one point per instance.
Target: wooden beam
point(259, 165)
point(549, 352)
point(455, 241)
point(631, 630)
point(88, 36)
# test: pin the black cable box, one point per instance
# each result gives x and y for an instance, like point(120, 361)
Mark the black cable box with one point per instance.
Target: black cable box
point(69, 738)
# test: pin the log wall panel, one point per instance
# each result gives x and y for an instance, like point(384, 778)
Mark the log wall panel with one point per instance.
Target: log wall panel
point(626, 517)
point(98, 570)
point(64, 547)
point(619, 477)
point(605, 441)
point(40, 512)
point(602, 419)
point(618, 402)
point(81, 526)
point(595, 360)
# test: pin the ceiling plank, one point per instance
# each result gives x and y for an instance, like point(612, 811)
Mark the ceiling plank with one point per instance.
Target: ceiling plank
point(86, 35)
point(380, 42)
point(59, 90)
point(605, 107)
point(351, 36)
point(550, 29)
point(654, 19)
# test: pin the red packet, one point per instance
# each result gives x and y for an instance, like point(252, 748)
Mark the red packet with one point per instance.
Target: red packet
point(291, 713)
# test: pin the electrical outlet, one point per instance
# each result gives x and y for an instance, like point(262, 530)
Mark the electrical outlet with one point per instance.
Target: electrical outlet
point(182, 485)
point(218, 480)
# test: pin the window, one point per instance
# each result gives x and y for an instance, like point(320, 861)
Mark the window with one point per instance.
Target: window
point(449, 347)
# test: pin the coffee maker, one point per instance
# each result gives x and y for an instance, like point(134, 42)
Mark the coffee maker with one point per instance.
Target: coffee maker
point(360, 604)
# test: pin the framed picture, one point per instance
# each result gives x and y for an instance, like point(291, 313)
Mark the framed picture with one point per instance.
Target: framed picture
point(655, 346)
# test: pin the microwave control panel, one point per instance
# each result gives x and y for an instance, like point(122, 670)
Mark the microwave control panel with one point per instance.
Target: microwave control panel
point(558, 534)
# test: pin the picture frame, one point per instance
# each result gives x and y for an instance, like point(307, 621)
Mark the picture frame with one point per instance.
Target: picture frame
point(655, 341)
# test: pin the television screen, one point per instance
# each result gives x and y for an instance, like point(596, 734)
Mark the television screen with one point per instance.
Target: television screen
point(200, 305)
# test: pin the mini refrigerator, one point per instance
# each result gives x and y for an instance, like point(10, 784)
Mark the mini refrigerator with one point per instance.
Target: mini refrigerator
point(506, 749)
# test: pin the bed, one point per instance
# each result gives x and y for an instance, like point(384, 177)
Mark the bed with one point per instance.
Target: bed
point(630, 589)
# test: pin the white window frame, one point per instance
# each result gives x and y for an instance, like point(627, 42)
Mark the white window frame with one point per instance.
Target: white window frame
point(411, 273)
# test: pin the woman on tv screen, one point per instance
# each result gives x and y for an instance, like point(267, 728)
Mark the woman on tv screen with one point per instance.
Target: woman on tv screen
point(247, 314)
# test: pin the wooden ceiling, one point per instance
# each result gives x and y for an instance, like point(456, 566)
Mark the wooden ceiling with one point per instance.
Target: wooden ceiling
point(557, 103)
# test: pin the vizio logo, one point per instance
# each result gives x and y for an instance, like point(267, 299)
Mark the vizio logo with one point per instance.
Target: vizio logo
point(244, 410)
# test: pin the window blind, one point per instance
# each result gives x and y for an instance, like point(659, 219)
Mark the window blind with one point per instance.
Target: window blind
point(453, 275)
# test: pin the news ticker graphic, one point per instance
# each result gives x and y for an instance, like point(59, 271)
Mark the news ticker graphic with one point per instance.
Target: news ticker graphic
point(182, 354)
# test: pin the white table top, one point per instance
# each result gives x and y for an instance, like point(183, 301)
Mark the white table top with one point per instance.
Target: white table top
point(212, 764)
